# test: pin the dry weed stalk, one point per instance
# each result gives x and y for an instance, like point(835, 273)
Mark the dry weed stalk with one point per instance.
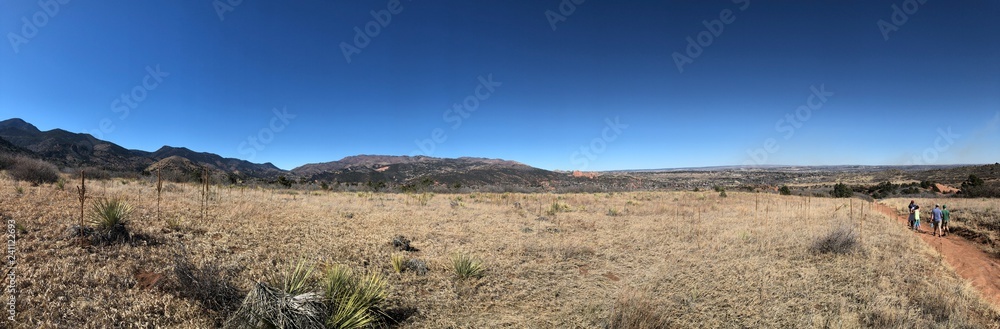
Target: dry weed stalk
point(159, 190)
point(82, 192)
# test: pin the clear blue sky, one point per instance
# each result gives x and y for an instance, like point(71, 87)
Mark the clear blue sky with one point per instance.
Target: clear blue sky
point(223, 77)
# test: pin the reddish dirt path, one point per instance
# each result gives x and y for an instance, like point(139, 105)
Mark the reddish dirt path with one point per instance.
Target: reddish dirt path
point(969, 261)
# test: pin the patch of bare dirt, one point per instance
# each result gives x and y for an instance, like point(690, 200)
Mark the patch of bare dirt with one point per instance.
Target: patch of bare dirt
point(946, 189)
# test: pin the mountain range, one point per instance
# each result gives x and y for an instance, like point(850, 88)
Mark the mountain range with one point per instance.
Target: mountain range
point(76, 150)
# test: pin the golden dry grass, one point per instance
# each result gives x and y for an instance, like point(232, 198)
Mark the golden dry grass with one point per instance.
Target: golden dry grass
point(697, 259)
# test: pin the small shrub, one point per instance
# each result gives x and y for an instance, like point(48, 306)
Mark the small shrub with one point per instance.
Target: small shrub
point(841, 240)
point(423, 198)
point(19, 190)
point(398, 263)
point(722, 194)
point(466, 266)
point(614, 212)
point(556, 208)
point(784, 190)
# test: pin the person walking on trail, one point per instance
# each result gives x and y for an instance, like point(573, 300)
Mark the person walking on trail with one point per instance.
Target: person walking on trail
point(945, 217)
point(909, 220)
point(916, 219)
point(936, 220)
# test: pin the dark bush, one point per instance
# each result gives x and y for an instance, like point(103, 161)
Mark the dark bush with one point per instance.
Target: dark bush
point(983, 191)
point(784, 190)
point(33, 171)
point(6, 161)
point(842, 191)
point(841, 240)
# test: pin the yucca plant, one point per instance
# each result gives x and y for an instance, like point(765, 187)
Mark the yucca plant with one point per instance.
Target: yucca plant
point(398, 263)
point(109, 216)
point(355, 302)
point(267, 307)
point(466, 266)
point(286, 302)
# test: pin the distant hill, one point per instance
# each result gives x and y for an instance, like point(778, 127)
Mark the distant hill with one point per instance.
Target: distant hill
point(413, 170)
point(215, 161)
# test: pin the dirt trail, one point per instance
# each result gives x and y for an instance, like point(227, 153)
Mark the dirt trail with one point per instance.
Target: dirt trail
point(969, 261)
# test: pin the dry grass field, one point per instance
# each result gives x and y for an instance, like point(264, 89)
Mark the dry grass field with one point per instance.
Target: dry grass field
point(663, 259)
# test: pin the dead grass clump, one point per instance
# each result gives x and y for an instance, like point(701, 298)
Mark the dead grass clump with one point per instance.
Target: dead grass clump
point(267, 307)
point(841, 240)
point(635, 311)
point(208, 284)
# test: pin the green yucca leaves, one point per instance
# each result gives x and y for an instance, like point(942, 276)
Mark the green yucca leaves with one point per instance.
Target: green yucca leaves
point(466, 266)
point(355, 300)
point(109, 213)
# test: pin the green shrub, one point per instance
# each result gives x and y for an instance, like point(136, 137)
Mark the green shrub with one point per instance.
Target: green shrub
point(840, 190)
point(466, 266)
point(784, 190)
